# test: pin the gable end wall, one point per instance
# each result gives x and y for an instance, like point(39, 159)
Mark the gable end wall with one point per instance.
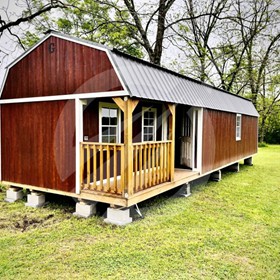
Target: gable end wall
point(59, 67)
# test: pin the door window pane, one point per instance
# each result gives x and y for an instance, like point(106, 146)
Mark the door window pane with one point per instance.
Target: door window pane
point(149, 124)
point(109, 124)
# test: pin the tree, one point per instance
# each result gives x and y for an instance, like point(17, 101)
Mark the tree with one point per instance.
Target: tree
point(17, 15)
point(89, 20)
point(31, 12)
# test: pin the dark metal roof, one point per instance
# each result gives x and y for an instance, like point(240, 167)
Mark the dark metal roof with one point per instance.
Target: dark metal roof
point(148, 81)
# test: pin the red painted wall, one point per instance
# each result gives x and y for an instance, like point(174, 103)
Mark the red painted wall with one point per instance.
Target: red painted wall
point(38, 144)
point(70, 68)
point(219, 139)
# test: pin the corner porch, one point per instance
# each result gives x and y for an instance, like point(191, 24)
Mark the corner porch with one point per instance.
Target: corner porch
point(129, 172)
point(103, 172)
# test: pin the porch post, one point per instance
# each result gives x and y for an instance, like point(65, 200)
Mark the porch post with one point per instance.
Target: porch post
point(171, 137)
point(127, 106)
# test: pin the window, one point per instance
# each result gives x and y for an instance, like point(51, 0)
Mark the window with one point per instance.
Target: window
point(149, 117)
point(109, 123)
point(238, 127)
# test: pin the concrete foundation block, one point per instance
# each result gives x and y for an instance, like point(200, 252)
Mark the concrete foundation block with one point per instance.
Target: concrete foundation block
point(35, 199)
point(85, 209)
point(185, 190)
point(119, 217)
point(234, 167)
point(248, 161)
point(13, 194)
point(216, 176)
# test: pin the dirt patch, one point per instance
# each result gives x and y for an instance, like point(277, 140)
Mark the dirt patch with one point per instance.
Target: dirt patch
point(27, 223)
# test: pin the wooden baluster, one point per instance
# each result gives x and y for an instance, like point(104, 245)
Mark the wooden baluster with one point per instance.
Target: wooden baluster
point(140, 167)
point(115, 169)
point(82, 165)
point(122, 170)
point(168, 162)
point(101, 167)
point(94, 156)
point(108, 185)
point(145, 166)
point(153, 165)
point(136, 167)
point(164, 161)
point(161, 162)
point(149, 166)
point(88, 166)
point(158, 162)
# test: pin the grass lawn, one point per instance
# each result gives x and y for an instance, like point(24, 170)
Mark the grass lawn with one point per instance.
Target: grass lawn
point(225, 230)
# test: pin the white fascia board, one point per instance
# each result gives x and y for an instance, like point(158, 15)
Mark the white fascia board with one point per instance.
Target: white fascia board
point(66, 97)
point(61, 36)
point(4, 81)
point(81, 42)
point(28, 51)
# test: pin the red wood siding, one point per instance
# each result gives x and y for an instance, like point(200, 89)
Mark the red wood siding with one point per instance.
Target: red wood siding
point(38, 144)
point(219, 140)
point(71, 68)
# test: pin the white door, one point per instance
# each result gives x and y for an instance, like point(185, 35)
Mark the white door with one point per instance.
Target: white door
point(186, 140)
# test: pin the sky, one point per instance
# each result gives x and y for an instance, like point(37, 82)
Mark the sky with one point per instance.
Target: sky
point(7, 44)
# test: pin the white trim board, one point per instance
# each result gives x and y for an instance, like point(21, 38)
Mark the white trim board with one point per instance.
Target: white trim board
point(79, 139)
point(66, 97)
point(118, 73)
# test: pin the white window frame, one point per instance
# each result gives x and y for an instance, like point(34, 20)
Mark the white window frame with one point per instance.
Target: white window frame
point(151, 109)
point(109, 106)
point(238, 125)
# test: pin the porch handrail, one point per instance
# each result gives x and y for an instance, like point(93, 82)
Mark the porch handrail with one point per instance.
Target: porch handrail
point(151, 164)
point(102, 166)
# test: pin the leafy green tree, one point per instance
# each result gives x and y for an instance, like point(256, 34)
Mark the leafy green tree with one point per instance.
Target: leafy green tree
point(89, 20)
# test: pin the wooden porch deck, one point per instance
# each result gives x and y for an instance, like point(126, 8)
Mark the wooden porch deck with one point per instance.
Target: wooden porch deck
point(181, 176)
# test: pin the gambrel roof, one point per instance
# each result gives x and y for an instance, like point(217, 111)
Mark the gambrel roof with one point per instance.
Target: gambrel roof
point(145, 80)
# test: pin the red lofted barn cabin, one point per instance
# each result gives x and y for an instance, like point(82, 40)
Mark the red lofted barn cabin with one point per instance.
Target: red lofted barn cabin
point(86, 121)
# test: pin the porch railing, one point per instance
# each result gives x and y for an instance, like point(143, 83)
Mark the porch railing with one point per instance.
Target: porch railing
point(103, 166)
point(151, 164)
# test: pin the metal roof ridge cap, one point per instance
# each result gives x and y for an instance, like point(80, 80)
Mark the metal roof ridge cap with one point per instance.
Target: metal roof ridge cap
point(79, 40)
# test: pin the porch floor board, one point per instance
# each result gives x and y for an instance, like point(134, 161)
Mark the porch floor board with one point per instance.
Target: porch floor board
point(181, 176)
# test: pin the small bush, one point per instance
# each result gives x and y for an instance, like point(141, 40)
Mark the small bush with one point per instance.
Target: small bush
point(262, 145)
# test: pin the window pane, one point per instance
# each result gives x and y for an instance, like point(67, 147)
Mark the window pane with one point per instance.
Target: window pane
point(105, 121)
point(105, 139)
point(150, 130)
point(113, 121)
point(113, 131)
point(112, 139)
point(113, 113)
point(105, 131)
point(105, 112)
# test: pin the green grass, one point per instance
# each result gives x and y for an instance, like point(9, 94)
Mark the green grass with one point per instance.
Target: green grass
point(225, 230)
